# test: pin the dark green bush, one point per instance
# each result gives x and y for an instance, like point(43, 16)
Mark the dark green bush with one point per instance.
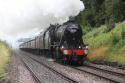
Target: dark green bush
point(123, 33)
point(115, 38)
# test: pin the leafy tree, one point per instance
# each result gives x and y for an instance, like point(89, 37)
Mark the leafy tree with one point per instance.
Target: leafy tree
point(99, 12)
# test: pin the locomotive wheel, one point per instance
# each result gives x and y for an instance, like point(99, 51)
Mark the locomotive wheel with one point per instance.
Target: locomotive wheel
point(64, 60)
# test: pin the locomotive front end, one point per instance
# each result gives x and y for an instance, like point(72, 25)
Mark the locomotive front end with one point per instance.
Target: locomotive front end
point(74, 54)
point(73, 48)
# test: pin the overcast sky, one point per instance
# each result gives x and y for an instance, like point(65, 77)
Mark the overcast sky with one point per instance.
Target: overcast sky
point(26, 18)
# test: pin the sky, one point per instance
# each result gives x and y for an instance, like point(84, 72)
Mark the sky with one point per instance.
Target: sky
point(26, 18)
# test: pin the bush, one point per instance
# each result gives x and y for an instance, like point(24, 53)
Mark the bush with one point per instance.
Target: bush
point(120, 44)
point(115, 38)
point(110, 26)
point(123, 33)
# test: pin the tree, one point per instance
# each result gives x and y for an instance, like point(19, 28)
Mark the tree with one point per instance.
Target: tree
point(99, 12)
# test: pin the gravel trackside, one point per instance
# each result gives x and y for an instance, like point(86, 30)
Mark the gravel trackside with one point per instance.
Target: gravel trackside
point(17, 72)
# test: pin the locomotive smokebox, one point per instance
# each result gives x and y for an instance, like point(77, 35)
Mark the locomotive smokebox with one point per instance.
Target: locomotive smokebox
point(73, 31)
point(68, 31)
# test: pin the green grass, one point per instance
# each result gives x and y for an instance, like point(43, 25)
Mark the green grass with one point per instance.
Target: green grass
point(113, 40)
point(4, 59)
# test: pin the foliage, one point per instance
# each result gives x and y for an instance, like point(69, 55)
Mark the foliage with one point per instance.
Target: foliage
point(4, 56)
point(111, 43)
point(100, 12)
point(97, 37)
point(123, 32)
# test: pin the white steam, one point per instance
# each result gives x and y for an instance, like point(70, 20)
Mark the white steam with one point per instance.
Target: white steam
point(19, 18)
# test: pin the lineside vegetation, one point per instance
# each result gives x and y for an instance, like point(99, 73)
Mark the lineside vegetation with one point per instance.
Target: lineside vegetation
point(5, 53)
point(107, 45)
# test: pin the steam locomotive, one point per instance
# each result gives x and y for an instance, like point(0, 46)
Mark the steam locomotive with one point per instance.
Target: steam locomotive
point(63, 43)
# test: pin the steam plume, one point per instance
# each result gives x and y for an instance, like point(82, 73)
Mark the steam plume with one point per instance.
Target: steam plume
point(17, 17)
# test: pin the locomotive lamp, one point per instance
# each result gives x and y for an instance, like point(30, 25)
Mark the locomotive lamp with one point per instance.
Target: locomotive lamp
point(86, 50)
point(79, 46)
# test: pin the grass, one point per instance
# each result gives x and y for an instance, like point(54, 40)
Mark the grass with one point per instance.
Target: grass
point(105, 45)
point(4, 59)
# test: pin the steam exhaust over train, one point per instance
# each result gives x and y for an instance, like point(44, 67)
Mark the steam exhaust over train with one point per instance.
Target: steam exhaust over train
point(63, 43)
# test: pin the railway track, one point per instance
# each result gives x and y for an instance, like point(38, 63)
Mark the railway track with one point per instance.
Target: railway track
point(115, 76)
point(111, 75)
point(36, 78)
point(32, 73)
point(70, 80)
point(59, 73)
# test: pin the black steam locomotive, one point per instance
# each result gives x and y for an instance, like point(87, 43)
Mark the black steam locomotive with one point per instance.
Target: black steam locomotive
point(63, 43)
